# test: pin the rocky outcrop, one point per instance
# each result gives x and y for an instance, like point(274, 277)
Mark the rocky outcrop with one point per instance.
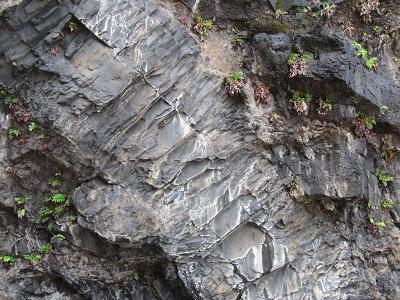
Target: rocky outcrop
point(172, 189)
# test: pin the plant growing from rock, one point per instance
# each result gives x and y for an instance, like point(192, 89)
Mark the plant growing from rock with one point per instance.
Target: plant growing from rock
point(234, 82)
point(14, 133)
point(237, 43)
point(364, 125)
point(298, 64)
point(202, 26)
point(275, 117)
point(134, 277)
point(388, 153)
point(72, 26)
point(372, 63)
point(294, 184)
point(58, 198)
point(279, 13)
point(362, 52)
point(366, 7)
point(7, 259)
point(387, 204)
point(33, 257)
point(383, 109)
point(32, 126)
point(324, 106)
point(54, 182)
point(300, 102)
point(384, 177)
point(60, 237)
point(20, 203)
point(262, 94)
point(45, 248)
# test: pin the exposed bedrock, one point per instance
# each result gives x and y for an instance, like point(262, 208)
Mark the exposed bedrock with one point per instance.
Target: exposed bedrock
point(181, 191)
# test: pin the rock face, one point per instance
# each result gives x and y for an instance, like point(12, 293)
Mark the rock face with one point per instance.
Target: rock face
point(172, 189)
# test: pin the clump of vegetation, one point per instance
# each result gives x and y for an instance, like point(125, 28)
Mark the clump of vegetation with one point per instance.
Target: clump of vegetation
point(202, 26)
point(32, 127)
point(58, 198)
point(371, 62)
point(237, 42)
point(14, 133)
point(60, 237)
point(7, 260)
point(298, 64)
point(279, 14)
point(383, 109)
point(234, 82)
point(275, 117)
point(364, 125)
point(300, 102)
point(366, 7)
point(72, 26)
point(262, 94)
point(326, 9)
point(33, 257)
point(324, 106)
point(384, 177)
point(45, 248)
point(20, 203)
point(54, 182)
point(294, 184)
point(134, 277)
point(387, 204)
point(388, 153)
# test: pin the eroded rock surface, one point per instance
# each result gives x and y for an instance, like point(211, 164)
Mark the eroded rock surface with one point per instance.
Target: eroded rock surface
point(181, 191)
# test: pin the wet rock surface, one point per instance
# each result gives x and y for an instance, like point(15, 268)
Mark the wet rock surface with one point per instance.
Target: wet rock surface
point(162, 186)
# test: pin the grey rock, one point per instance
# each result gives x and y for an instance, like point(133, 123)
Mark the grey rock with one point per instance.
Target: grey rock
point(181, 184)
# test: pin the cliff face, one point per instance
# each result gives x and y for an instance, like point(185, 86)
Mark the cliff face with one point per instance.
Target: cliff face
point(124, 154)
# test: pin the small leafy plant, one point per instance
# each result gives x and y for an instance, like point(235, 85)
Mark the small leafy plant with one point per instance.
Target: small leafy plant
point(134, 277)
point(388, 153)
point(202, 26)
point(58, 198)
point(324, 106)
point(372, 63)
point(364, 125)
point(14, 133)
point(234, 82)
point(45, 214)
point(237, 43)
point(387, 204)
point(45, 248)
point(54, 182)
point(384, 177)
point(33, 257)
point(7, 259)
point(21, 213)
point(262, 94)
point(279, 13)
point(32, 126)
point(21, 200)
point(298, 64)
point(300, 102)
point(327, 10)
point(60, 237)
point(72, 26)
point(294, 184)
point(366, 7)
point(361, 51)
point(380, 224)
